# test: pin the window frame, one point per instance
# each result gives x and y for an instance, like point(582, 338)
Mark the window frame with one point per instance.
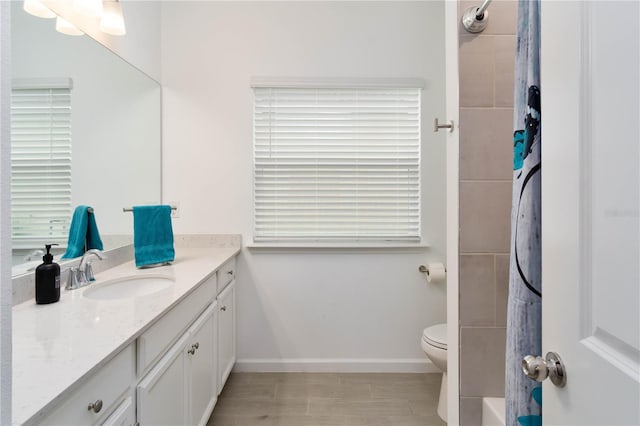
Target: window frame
point(414, 240)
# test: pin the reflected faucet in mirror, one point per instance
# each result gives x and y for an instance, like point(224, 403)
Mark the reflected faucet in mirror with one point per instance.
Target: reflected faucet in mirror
point(34, 255)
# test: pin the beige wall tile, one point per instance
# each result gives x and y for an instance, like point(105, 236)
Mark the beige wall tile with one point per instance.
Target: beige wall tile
point(485, 217)
point(486, 144)
point(470, 411)
point(505, 59)
point(503, 17)
point(482, 361)
point(502, 288)
point(476, 62)
point(477, 290)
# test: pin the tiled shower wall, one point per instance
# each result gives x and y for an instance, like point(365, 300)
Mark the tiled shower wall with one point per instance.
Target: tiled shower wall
point(486, 63)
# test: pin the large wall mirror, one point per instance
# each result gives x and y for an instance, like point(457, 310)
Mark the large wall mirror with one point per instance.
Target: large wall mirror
point(115, 130)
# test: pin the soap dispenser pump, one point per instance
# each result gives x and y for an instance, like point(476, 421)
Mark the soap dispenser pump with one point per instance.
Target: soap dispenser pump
point(48, 279)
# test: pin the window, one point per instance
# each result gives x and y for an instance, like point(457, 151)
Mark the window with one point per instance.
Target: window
point(336, 164)
point(40, 162)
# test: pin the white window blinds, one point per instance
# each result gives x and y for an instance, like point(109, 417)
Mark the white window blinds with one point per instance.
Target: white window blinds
point(336, 164)
point(40, 165)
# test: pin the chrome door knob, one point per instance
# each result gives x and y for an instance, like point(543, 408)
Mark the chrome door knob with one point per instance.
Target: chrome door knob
point(538, 368)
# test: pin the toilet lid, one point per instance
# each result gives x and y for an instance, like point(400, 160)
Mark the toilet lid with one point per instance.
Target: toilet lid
point(436, 335)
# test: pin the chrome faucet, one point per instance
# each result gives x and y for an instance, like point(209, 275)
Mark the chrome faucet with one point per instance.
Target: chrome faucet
point(34, 255)
point(79, 276)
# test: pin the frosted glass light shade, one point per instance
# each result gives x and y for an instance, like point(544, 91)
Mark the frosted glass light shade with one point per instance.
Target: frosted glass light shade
point(112, 21)
point(92, 8)
point(65, 27)
point(36, 8)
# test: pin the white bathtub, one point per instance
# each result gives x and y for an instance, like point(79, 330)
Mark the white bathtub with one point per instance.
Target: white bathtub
point(493, 412)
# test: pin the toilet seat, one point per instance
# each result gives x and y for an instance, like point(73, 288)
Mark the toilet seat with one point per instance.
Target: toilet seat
point(436, 335)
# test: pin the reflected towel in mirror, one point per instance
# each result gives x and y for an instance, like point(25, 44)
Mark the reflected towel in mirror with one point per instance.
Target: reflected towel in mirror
point(83, 233)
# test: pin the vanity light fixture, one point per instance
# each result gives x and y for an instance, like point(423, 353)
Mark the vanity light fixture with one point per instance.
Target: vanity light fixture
point(36, 8)
point(91, 8)
point(109, 13)
point(112, 20)
point(65, 27)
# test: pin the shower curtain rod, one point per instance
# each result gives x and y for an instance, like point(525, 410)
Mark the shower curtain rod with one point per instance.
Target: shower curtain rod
point(475, 19)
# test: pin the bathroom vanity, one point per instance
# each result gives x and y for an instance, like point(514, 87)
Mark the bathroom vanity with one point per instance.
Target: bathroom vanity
point(102, 356)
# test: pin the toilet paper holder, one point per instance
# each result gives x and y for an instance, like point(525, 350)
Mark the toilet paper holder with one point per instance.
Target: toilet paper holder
point(424, 269)
point(435, 272)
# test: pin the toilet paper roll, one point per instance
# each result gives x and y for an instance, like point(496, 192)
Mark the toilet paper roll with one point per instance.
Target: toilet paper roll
point(435, 272)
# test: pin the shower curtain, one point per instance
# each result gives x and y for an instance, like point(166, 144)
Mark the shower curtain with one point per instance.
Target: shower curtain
point(523, 395)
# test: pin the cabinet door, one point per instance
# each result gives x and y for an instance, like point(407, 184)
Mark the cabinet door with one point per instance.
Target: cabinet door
point(226, 333)
point(125, 414)
point(162, 394)
point(202, 356)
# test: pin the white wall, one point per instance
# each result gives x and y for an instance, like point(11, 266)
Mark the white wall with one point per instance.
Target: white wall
point(326, 309)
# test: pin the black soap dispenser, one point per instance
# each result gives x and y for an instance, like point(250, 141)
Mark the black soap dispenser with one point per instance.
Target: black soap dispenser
point(48, 279)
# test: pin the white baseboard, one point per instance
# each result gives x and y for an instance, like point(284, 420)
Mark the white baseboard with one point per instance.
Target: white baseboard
point(334, 365)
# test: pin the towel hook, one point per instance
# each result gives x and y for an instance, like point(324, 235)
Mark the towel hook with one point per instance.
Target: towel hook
point(437, 126)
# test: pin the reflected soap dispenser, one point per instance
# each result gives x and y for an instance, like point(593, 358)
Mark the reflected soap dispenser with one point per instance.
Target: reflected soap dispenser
point(47, 279)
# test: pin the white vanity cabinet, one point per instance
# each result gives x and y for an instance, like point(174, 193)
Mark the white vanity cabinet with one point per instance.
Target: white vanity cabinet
point(172, 369)
point(202, 357)
point(98, 396)
point(124, 415)
point(226, 333)
point(181, 386)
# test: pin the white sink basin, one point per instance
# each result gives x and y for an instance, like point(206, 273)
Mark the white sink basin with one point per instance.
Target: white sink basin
point(128, 287)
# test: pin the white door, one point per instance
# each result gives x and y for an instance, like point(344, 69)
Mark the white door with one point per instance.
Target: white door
point(590, 209)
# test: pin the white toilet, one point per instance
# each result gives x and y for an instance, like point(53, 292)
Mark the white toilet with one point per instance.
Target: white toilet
point(434, 344)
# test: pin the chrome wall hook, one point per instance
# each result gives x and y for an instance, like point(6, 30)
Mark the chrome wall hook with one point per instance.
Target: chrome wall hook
point(437, 126)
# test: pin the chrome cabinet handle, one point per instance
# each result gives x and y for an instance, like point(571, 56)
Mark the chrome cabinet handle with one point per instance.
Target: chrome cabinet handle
point(538, 368)
point(195, 346)
point(224, 308)
point(95, 406)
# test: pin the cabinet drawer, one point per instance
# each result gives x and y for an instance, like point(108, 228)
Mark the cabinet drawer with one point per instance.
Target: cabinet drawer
point(226, 274)
point(153, 342)
point(124, 415)
point(106, 387)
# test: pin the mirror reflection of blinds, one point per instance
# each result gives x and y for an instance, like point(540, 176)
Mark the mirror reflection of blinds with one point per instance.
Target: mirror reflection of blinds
point(40, 165)
point(336, 164)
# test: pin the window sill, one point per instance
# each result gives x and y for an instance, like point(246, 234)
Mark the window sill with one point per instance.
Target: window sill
point(336, 246)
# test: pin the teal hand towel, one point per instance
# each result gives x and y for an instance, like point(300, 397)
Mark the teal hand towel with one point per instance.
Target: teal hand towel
point(152, 235)
point(83, 233)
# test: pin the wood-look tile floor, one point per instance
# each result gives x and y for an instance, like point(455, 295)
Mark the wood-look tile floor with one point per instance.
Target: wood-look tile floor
point(328, 399)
